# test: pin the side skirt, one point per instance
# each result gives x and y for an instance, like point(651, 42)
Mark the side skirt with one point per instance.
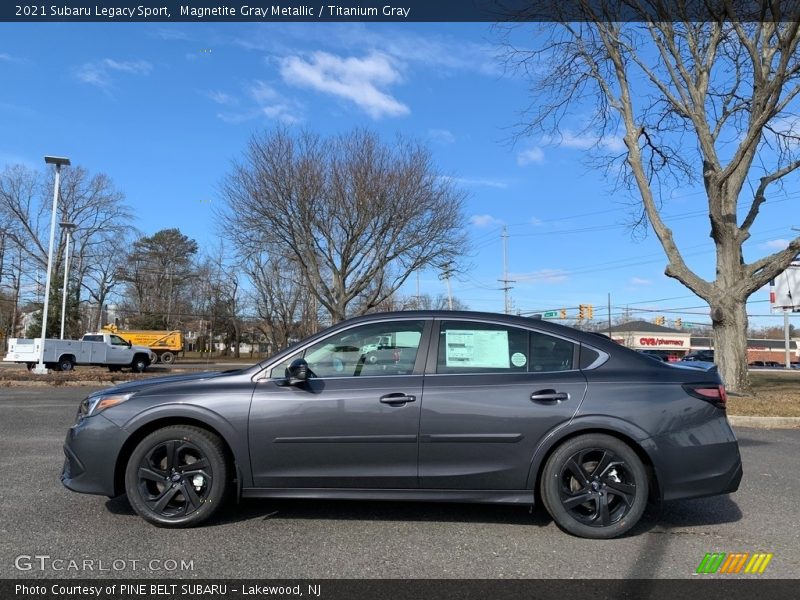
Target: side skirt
point(476, 496)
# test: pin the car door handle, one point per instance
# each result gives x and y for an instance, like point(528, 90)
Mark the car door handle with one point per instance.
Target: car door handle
point(549, 396)
point(397, 399)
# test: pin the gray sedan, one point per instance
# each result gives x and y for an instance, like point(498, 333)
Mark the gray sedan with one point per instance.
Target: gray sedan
point(456, 406)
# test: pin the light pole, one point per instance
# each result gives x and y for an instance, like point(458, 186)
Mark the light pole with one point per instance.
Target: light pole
point(58, 162)
point(69, 228)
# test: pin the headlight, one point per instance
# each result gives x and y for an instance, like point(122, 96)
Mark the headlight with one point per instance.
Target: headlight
point(95, 404)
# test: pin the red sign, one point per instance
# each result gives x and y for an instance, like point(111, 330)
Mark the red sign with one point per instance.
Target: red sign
point(649, 341)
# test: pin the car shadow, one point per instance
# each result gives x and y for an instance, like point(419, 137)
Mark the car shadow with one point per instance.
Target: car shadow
point(671, 518)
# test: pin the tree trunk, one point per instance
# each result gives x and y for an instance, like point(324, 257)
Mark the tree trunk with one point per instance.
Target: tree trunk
point(729, 320)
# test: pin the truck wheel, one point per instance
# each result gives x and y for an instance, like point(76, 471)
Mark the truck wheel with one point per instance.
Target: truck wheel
point(139, 364)
point(66, 363)
point(167, 358)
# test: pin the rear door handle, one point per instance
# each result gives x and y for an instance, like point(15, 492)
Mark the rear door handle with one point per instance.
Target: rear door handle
point(549, 396)
point(397, 399)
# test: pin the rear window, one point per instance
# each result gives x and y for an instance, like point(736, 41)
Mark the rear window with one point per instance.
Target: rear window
point(93, 338)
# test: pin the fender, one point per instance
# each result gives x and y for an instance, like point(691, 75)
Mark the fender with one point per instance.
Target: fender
point(237, 443)
point(590, 423)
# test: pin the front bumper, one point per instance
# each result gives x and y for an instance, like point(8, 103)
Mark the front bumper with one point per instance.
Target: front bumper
point(91, 450)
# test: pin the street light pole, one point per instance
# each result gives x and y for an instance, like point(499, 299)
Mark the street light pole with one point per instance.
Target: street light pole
point(69, 228)
point(58, 162)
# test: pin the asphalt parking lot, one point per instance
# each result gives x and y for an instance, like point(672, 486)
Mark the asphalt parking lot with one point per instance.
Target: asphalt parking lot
point(324, 539)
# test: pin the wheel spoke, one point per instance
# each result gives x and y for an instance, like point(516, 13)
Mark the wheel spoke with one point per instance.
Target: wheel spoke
point(192, 498)
point(164, 499)
point(577, 470)
point(171, 458)
point(571, 502)
point(603, 464)
point(602, 511)
point(198, 465)
point(625, 491)
point(151, 474)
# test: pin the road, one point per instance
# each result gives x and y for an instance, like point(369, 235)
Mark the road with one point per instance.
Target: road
point(322, 539)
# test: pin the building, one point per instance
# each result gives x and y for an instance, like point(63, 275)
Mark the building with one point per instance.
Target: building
point(643, 335)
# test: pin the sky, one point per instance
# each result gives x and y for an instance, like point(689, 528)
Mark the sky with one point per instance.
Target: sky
point(165, 110)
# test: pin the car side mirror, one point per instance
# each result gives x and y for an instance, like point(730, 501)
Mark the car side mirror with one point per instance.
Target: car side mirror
point(129, 343)
point(297, 372)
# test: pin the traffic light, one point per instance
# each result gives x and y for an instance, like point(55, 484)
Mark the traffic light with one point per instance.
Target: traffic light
point(589, 311)
point(581, 311)
point(562, 313)
point(659, 320)
point(678, 323)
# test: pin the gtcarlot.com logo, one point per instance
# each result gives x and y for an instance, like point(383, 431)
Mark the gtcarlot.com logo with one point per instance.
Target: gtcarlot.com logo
point(45, 562)
point(734, 563)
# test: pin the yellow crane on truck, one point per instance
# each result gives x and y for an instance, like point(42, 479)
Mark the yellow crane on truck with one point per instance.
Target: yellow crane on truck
point(165, 344)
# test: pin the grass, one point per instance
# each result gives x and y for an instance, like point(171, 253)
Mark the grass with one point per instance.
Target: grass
point(775, 394)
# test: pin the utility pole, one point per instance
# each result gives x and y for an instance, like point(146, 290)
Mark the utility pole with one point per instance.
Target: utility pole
point(447, 270)
point(609, 314)
point(505, 280)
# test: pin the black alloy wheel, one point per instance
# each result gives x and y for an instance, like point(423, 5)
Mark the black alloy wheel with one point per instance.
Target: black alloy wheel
point(177, 476)
point(595, 486)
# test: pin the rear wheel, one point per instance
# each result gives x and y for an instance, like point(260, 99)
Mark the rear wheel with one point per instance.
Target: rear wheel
point(177, 476)
point(66, 363)
point(595, 486)
point(167, 358)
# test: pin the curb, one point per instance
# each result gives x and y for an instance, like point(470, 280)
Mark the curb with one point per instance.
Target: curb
point(764, 422)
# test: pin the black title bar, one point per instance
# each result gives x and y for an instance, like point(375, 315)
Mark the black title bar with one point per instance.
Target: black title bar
point(396, 10)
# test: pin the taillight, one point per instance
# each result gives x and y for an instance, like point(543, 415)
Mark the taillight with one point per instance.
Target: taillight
point(710, 392)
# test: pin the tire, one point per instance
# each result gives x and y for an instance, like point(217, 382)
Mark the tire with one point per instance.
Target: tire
point(139, 363)
point(66, 363)
point(166, 357)
point(164, 491)
point(603, 471)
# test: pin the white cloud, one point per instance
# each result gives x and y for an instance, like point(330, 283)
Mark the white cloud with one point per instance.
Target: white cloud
point(355, 79)
point(484, 221)
point(4, 57)
point(779, 244)
point(99, 73)
point(221, 97)
point(266, 102)
point(640, 281)
point(170, 34)
point(531, 156)
point(442, 136)
point(535, 221)
point(542, 276)
point(493, 183)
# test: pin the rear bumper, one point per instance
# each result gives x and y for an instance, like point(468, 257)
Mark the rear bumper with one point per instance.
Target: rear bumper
point(91, 450)
point(701, 461)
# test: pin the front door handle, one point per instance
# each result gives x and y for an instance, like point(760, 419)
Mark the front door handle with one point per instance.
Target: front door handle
point(549, 396)
point(397, 399)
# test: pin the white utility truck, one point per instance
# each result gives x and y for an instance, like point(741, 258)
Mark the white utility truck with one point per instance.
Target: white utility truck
point(100, 349)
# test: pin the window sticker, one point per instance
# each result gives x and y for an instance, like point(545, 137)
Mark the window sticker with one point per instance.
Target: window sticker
point(476, 348)
point(518, 359)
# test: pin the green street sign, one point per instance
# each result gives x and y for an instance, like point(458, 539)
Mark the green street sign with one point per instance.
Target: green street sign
point(550, 314)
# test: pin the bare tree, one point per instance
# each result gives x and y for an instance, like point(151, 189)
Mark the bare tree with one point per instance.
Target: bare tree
point(91, 202)
point(699, 96)
point(353, 216)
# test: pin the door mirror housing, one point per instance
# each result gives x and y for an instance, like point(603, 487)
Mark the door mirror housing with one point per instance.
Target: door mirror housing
point(297, 372)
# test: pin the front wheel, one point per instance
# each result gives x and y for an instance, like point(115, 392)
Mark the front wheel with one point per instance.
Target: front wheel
point(139, 364)
point(177, 476)
point(595, 486)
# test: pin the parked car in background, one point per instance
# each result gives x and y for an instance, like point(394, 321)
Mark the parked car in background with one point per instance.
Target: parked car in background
point(471, 407)
point(660, 355)
point(700, 355)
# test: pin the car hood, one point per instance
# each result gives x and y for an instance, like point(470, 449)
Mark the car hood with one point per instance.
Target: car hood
point(146, 384)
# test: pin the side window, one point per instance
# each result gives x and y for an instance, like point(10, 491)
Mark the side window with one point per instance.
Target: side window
point(117, 341)
point(550, 353)
point(467, 347)
point(366, 351)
